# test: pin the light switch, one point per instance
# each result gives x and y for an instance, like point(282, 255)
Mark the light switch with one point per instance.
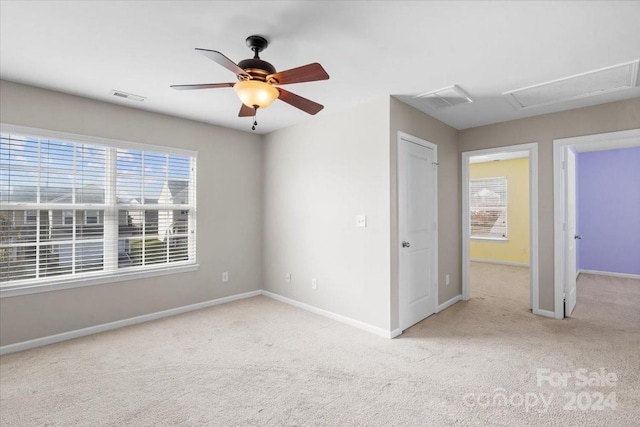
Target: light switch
point(361, 221)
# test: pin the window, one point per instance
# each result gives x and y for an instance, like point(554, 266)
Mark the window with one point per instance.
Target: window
point(488, 206)
point(75, 207)
point(30, 217)
point(91, 217)
point(67, 217)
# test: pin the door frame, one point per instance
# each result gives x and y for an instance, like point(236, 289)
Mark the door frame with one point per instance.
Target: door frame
point(595, 142)
point(569, 182)
point(532, 148)
point(419, 141)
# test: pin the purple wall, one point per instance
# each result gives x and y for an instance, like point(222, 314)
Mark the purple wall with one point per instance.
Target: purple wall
point(608, 202)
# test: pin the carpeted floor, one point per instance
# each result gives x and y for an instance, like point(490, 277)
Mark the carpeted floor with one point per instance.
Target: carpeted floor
point(261, 362)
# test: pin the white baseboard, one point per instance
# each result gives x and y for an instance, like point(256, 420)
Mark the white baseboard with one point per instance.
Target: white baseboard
point(449, 303)
point(340, 318)
point(64, 336)
point(395, 333)
point(610, 273)
point(494, 261)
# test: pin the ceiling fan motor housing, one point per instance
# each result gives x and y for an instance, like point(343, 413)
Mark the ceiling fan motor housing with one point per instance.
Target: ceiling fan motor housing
point(257, 68)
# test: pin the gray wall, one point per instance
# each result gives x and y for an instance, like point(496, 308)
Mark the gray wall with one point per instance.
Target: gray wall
point(412, 121)
point(318, 176)
point(611, 117)
point(286, 203)
point(229, 230)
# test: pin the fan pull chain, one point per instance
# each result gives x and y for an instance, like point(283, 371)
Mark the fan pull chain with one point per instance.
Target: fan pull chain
point(255, 122)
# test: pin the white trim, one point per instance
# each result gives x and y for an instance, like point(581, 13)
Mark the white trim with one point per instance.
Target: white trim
point(333, 316)
point(491, 239)
point(88, 139)
point(424, 143)
point(64, 336)
point(596, 142)
point(95, 279)
point(610, 273)
point(449, 303)
point(495, 261)
point(395, 333)
point(532, 148)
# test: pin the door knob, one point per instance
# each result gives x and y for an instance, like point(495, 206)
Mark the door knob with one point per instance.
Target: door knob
point(577, 237)
point(406, 244)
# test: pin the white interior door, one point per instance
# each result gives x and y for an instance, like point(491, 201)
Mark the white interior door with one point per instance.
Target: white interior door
point(570, 232)
point(417, 185)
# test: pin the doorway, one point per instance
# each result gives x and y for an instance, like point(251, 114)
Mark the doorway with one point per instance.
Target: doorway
point(490, 221)
point(564, 190)
point(417, 229)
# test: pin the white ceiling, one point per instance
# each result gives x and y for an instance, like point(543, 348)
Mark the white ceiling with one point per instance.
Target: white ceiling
point(371, 49)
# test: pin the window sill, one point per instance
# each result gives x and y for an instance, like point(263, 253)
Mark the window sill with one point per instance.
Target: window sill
point(95, 280)
point(492, 239)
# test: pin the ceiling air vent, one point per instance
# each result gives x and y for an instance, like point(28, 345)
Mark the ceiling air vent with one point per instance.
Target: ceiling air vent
point(125, 95)
point(592, 83)
point(447, 97)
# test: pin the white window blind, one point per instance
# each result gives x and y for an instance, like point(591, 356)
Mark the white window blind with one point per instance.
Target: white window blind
point(71, 209)
point(488, 207)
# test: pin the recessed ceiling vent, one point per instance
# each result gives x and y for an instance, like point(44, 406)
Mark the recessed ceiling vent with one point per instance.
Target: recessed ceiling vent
point(592, 83)
point(125, 95)
point(447, 97)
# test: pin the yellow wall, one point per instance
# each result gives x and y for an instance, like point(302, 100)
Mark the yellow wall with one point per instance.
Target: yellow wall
point(516, 248)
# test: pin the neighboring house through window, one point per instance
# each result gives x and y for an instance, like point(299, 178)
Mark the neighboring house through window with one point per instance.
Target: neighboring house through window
point(61, 215)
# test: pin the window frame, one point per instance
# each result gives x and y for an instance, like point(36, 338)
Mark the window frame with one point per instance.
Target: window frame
point(505, 209)
point(109, 218)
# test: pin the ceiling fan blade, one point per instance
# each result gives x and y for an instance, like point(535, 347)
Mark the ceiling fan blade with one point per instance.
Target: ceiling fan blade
point(297, 101)
point(202, 86)
point(223, 60)
point(306, 73)
point(246, 111)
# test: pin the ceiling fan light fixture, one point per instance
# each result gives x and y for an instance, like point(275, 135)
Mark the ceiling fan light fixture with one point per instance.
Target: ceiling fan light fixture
point(254, 93)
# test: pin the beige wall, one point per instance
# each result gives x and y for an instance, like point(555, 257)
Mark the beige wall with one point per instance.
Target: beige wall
point(229, 214)
point(615, 116)
point(318, 177)
point(409, 120)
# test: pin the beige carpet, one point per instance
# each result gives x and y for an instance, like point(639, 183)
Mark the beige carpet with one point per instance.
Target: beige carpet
point(261, 362)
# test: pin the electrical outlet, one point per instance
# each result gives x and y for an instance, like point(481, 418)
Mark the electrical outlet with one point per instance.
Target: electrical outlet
point(225, 276)
point(447, 279)
point(361, 221)
point(314, 284)
point(288, 277)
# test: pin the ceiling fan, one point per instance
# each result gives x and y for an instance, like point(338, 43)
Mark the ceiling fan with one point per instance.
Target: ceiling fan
point(258, 82)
